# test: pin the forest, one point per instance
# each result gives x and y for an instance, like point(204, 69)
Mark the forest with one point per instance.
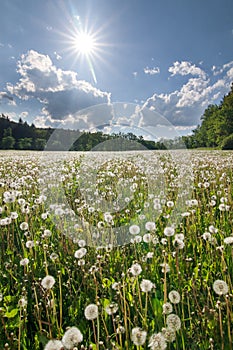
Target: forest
point(214, 131)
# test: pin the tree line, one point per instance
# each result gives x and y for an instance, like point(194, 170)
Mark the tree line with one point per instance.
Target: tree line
point(215, 131)
point(216, 128)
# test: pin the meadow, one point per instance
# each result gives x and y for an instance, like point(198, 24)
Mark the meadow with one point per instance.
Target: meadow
point(124, 250)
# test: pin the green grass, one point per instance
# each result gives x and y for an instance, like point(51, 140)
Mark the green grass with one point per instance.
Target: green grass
point(31, 315)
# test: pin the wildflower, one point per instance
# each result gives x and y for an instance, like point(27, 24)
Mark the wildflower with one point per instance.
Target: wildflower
point(174, 297)
point(80, 253)
point(178, 243)
point(72, 337)
point(108, 218)
point(111, 308)
point(54, 345)
point(206, 236)
point(228, 240)
point(157, 342)
point(169, 231)
point(54, 256)
point(150, 226)
point(48, 282)
point(47, 233)
point(135, 269)
point(134, 229)
point(136, 239)
point(81, 243)
point(170, 204)
point(220, 287)
point(24, 262)
point(23, 302)
point(173, 322)
point(149, 255)
point(91, 312)
point(169, 334)
point(212, 229)
point(138, 336)
point(116, 285)
point(24, 226)
point(167, 308)
point(81, 262)
point(164, 241)
point(179, 236)
point(146, 285)
point(30, 244)
point(120, 330)
point(147, 238)
point(165, 267)
point(14, 215)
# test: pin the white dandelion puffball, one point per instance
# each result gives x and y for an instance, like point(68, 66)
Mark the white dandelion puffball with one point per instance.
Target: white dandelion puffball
point(167, 308)
point(48, 282)
point(111, 308)
point(135, 269)
point(54, 345)
point(24, 226)
point(80, 253)
point(150, 226)
point(169, 231)
point(157, 341)
point(220, 287)
point(174, 297)
point(91, 312)
point(146, 286)
point(134, 229)
point(173, 321)
point(24, 262)
point(228, 240)
point(138, 336)
point(72, 337)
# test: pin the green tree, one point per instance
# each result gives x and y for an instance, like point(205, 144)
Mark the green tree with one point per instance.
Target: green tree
point(8, 142)
point(25, 143)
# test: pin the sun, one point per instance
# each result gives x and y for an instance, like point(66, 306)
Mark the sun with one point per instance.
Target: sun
point(84, 43)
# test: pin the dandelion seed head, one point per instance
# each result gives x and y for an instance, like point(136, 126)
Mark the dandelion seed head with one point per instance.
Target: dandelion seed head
point(220, 287)
point(54, 345)
point(173, 321)
point(174, 297)
point(138, 336)
point(146, 286)
point(157, 342)
point(135, 269)
point(167, 308)
point(72, 337)
point(91, 312)
point(48, 282)
point(134, 230)
point(169, 231)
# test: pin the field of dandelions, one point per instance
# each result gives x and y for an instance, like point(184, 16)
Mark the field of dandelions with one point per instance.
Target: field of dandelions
point(128, 252)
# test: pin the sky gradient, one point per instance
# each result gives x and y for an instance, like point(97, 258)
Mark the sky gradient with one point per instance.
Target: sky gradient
point(172, 56)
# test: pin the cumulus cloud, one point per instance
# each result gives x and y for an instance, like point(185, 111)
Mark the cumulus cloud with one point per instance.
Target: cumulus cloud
point(184, 106)
point(60, 92)
point(186, 68)
point(151, 71)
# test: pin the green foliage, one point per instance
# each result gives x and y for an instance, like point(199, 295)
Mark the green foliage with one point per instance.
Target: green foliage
point(227, 143)
point(8, 142)
point(217, 124)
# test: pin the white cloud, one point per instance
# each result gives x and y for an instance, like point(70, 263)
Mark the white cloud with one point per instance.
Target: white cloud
point(59, 92)
point(151, 71)
point(186, 68)
point(184, 106)
point(220, 70)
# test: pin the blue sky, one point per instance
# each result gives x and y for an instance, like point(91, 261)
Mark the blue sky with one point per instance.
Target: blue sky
point(174, 57)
